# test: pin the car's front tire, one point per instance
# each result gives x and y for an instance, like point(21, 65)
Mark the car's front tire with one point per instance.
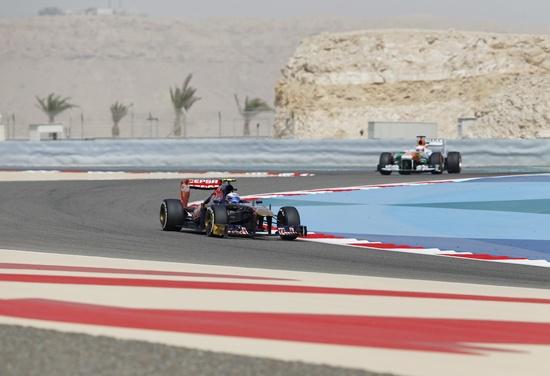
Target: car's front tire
point(385, 159)
point(171, 215)
point(405, 166)
point(288, 216)
point(215, 221)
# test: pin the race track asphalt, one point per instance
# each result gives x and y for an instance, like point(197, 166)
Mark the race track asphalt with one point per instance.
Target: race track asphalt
point(120, 219)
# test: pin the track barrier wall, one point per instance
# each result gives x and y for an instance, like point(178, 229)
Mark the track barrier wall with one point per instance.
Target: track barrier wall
point(256, 154)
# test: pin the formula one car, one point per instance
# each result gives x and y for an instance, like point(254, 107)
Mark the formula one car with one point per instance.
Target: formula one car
point(430, 155)
point(223, 212)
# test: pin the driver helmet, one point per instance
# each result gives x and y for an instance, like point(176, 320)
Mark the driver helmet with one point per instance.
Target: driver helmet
point(233, 198)
point(227, 188)
point(420, 148)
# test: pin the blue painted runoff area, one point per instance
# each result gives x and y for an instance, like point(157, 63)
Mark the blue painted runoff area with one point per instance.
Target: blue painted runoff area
point(507, 216)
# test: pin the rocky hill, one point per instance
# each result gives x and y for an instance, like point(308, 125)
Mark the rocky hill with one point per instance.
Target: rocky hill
point(336, 83)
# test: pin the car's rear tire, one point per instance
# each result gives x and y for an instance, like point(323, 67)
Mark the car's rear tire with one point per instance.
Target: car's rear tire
point(215, 222)
point(171, 215)
point(454, 162)
point(385, 159)
point(436, 159)
point(288, 216)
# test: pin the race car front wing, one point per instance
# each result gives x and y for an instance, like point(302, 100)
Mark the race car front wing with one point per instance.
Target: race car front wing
point(239, 230)
point(419, 168)
point(293, 230)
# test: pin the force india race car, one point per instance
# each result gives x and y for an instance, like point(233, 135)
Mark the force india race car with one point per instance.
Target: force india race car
point(430, 155)
point(224, 213)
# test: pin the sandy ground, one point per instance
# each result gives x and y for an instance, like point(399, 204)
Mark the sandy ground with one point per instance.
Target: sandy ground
point(99, 60)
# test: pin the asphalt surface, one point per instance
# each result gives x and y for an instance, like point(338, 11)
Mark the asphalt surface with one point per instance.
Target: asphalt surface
point(38, 352)
point(120, 219)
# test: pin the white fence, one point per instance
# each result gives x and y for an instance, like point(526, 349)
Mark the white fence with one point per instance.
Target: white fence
point(256, 154)
point(150, 124)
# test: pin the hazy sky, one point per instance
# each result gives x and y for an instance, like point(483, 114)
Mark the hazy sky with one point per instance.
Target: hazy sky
point(513, 12)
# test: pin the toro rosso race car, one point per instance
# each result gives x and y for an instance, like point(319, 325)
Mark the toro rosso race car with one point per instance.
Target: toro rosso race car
point(223, 212)
point(430, 155)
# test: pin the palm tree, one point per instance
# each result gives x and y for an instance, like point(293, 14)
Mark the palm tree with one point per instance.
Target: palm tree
point(53, 105)
point(118, 111)
point(252, 107)
point(182, 100)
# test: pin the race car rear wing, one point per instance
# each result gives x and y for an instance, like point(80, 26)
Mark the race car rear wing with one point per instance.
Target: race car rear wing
point(202, 183)
point(205, 184)
point(187, 185)
point(436, 144)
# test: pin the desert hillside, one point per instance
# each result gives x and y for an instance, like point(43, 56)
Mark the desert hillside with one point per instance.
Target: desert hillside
point(337, 82)
point(97, 60)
